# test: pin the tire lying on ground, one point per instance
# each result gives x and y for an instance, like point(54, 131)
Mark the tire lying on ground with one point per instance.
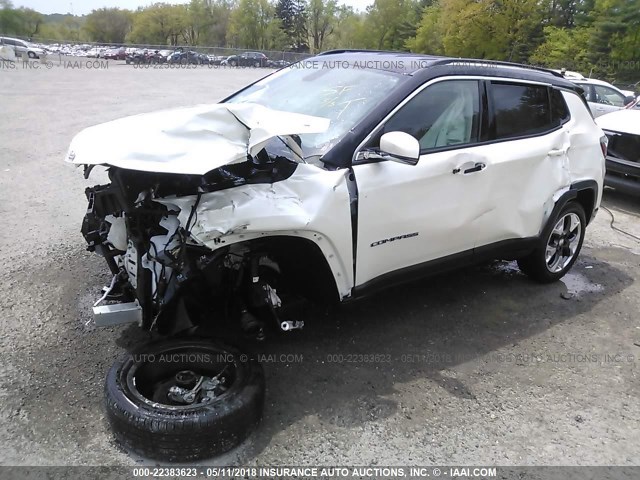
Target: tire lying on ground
point(149, 416)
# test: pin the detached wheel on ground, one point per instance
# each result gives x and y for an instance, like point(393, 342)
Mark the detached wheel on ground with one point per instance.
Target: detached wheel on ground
point(184, 400)
point(559, 248)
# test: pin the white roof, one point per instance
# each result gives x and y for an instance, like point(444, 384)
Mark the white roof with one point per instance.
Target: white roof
point(622, 121)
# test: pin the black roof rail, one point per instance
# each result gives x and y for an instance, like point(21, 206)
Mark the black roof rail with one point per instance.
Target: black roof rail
point(497, 63)
point(441, 60)
point(357, 50)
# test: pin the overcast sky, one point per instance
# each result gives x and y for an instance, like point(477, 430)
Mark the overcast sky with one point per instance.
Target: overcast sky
point(81, 7)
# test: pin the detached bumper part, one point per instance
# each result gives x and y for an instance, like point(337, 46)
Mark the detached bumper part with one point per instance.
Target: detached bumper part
point(117, 314)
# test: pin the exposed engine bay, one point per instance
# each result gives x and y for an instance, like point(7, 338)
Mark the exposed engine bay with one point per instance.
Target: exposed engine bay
point(157, 265)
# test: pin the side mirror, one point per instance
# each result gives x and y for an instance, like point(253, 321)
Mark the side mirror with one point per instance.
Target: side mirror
point(628, 100)
point(400, 147)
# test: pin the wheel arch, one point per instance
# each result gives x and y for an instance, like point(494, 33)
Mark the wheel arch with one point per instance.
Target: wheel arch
point(585, 192)
point(310, 255)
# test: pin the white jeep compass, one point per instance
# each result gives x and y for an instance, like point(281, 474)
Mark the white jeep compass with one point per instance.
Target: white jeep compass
point(326, 180)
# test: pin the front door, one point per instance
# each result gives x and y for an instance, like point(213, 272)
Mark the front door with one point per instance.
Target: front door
point(409, 215)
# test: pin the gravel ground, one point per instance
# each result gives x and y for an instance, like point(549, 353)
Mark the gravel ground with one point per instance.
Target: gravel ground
point(481, 366)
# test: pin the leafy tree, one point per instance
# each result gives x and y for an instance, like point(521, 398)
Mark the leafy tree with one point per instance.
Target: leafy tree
point(159, 24)
point(9, 21)
point(496, 29)
point(30, 21)
point(561, 13)
point(429, 35)
point(614, 43)
point(349, 29)
point(563, 48)
point(293, 18)
point(390, 23)
point(22, 21)
point(253, 25)
point(108, 25)
point(321, 18)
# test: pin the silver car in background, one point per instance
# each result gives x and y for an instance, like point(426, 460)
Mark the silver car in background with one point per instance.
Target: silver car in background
point(23, 48)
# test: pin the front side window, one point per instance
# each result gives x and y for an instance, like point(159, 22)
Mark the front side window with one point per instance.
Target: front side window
point(608, 96)
point(442, 115)
point(520, 110)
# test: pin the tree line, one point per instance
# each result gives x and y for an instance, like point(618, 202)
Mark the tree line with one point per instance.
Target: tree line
point(598, 37)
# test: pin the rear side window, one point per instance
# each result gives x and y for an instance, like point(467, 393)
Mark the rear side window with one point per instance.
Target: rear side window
point(559, 110)
point(520, 109)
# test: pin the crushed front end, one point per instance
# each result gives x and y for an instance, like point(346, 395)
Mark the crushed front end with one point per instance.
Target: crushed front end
point(213, 212)
point(159, 268)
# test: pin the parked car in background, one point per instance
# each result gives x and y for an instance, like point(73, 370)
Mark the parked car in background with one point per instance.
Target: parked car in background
point(96, 52)
point(569, 75)
point(165, 54)
point(248, 59)
point(215, 59)
point(155, 57)
point(116, 54)
point(603, 97)
point(136, 57)
point(186, 57)
point(22, 48)
point(278, 63)
point(623, 152)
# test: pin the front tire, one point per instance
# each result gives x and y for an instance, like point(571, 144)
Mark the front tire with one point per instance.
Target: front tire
point(559, 247)
point(146, 417)
point(31, 55)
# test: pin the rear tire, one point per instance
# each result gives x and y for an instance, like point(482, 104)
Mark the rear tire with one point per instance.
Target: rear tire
point(559, 247)
point(146, 420)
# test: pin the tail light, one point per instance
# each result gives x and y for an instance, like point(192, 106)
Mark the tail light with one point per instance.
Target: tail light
point(604, 141)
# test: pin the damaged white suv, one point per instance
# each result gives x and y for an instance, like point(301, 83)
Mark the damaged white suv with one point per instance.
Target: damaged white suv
point(327, 180)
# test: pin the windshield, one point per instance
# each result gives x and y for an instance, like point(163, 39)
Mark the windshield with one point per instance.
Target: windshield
point(343, 95)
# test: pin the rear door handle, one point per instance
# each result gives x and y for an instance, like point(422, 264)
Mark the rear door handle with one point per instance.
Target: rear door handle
point(556, 153)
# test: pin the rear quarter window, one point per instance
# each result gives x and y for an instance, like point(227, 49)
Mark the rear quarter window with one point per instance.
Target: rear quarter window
point(559, 110)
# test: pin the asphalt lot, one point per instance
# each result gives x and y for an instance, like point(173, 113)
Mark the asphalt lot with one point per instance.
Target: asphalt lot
point(477, 367)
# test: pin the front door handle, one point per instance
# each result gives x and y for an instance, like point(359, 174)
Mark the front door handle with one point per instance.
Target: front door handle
point(469, 168)
point(478, 167)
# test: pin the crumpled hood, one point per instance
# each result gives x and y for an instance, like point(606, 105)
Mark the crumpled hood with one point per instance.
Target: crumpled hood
point(192, 140)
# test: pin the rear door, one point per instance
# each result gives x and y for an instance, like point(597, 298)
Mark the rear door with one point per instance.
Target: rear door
point(528, 160)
